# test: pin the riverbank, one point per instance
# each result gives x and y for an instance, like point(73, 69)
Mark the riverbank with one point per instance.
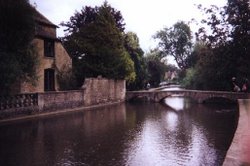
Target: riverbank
point(55, 113)
point(95, 91)
point(239, 152)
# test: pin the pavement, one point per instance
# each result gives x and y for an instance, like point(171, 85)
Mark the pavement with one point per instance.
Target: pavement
point(238, 153)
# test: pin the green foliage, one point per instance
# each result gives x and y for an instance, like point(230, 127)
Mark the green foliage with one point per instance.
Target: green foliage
point(193, 58)
point(156, 68)
point(95, 42)
point(226, 46)
point(210, 72)
point(238, 17)
point(176, 41)
point(17, 57)
point(136, 54)
point(216, 30)
point(66, 79)
point(214, 73)
point(189, 80)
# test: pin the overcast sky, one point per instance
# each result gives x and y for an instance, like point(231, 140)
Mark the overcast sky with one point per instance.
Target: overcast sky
point(144, 17)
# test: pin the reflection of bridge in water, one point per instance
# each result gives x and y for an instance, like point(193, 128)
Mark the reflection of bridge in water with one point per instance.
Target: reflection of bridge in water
point(199, 96)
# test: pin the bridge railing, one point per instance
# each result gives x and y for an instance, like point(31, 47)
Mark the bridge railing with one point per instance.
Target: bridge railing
point(198, 95)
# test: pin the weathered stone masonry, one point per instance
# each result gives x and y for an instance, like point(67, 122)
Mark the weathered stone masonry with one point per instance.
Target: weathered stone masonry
point(101, 90)
point(95, 91)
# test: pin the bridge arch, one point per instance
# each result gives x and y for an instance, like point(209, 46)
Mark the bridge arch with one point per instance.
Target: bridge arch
point(170, 96)
point(140, 98)
point(137, 95)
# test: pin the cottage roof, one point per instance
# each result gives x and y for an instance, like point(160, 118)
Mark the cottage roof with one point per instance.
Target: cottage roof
point(42, 19)
point(44, 28)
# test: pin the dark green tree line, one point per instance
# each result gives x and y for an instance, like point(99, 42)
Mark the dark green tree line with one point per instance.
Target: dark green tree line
point(17, 30)
point(155, 67)
point(136, 54)
point(227, 46)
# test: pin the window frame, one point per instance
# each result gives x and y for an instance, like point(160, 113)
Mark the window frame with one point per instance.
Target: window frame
point(49, 48)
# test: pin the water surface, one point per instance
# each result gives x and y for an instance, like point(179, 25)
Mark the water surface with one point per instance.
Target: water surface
point(132, 134)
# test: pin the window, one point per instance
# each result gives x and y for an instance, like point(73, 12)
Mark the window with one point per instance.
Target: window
point(49, 80)
point(49, 48)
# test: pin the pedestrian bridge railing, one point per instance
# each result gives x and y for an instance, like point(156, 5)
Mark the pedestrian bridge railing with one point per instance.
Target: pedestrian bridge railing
point(197, 95)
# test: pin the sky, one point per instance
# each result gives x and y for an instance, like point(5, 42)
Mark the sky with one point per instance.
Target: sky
point(143, 17)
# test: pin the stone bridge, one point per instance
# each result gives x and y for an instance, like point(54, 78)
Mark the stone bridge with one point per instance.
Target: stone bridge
point(199, 96)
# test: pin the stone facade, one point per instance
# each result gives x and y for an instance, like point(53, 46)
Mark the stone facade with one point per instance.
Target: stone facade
point(101, 90)
point(58, 61)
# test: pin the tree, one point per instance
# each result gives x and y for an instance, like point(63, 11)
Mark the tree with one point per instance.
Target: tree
point(228, 41)
point(156, 68)
point(88, 15)
point(95, 41)
point(213, 72)
point(136, 54)
point(238, 12)
point(193, 58)
point(216, 31)
point(17, 29)
point(176, 41)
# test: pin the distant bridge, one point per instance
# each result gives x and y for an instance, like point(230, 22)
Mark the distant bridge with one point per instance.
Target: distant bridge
point(199, 96)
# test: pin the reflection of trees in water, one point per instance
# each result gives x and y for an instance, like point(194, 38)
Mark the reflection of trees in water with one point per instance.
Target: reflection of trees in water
point(81, 137)
point(107, 135)
point(198, 132)
point(102, 119)
point(218, 123)
point(174, 132)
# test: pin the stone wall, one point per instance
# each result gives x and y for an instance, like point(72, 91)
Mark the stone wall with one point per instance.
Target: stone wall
point(51, 101)
point(62, 57)
point(95, 91)
point(102, 90)
point(36, 103)
point(238, 153)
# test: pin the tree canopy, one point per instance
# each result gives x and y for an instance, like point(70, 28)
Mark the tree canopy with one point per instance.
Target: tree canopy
point(17, 29)
point(156, 68)
point(95, 41)
point(136, 53)
point(226, 46)
point(176, 41)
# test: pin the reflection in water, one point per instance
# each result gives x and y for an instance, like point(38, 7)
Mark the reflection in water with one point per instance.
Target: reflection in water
point(175, 103)
point(130, 134)
point(171, 121)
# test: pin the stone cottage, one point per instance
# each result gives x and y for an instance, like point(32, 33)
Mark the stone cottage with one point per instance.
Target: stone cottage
point(52, 58)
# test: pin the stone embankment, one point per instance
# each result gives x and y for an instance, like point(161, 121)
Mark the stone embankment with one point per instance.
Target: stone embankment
point(95, 92)
point(239, 152)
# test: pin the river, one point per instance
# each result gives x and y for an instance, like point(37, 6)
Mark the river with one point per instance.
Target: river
point(131, 134)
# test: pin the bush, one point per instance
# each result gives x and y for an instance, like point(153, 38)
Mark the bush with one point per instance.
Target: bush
point(189, 79)
point(66, 79)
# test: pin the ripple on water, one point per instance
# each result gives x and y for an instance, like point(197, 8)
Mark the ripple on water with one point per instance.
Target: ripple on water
point(147, 134)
